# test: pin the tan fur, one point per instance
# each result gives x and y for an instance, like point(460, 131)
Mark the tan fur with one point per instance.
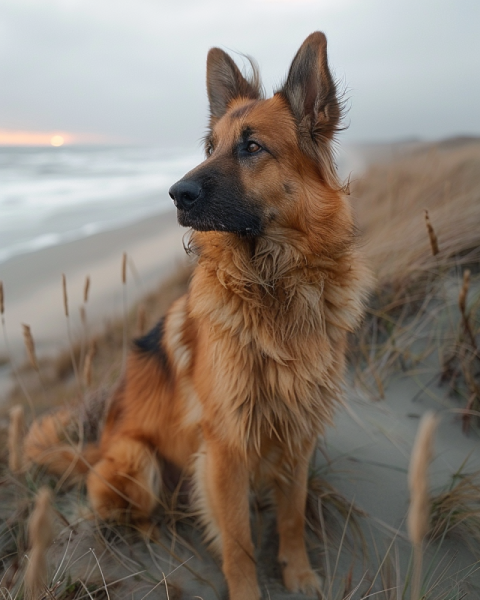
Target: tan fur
point(254, 353)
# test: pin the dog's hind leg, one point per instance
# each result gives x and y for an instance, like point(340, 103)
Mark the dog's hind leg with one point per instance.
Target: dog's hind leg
point(291, 496)
point(125, 483)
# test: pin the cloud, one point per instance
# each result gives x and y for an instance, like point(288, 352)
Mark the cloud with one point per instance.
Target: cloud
point(135, 70)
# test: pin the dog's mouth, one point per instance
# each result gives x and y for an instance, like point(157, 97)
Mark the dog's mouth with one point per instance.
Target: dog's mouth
point(243, 225)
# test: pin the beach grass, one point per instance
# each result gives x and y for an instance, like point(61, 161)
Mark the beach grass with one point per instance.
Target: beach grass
point(419, 219)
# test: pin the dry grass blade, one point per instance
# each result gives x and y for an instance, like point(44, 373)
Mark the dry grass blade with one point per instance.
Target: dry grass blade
point(65, 297)
point(124, 268)
point(16, 432)
point(40, 535)
point(83, 316)
point(30, 346)
point(86, 289)
point(462, 304)
point(71, 345)
point(101, 572)
point(431, 235)
point(462, 297)
point(418, 518)
point(87, 369)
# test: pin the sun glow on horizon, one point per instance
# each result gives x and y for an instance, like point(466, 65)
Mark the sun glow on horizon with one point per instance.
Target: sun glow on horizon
point(49, 138)
point(57, 140)
point(34, 138)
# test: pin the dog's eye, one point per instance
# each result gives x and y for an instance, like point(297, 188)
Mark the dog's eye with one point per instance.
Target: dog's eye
point(209, 150)
point(253, 147)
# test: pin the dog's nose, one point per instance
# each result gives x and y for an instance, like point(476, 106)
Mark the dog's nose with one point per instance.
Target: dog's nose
point(185, 193)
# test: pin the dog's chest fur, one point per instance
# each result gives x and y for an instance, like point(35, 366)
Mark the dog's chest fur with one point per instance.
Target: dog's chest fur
point(274, 332)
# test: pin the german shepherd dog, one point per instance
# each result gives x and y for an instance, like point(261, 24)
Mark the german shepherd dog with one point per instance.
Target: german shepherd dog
point(244, 372)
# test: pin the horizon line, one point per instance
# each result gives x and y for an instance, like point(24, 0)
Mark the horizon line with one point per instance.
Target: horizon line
point(55, 138)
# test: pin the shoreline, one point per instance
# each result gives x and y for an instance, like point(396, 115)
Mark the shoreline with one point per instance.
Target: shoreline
point(33, 282)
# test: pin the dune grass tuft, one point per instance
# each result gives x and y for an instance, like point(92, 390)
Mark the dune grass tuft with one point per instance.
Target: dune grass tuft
point(16, 432)
point(40, 535)
point(30, 346)
point(431, 235)
point(418, 521)
point(455, 509)
point(416, 274)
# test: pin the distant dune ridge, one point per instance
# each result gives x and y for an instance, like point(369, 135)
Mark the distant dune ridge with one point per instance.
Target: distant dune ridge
point(391, 199)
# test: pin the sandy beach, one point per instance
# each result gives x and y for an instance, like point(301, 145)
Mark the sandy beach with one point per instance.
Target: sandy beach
point(33, 282)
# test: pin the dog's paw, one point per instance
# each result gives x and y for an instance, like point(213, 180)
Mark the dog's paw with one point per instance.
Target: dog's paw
point(305, 581)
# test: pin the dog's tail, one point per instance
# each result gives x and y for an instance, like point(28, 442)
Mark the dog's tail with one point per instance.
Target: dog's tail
point(56, 442)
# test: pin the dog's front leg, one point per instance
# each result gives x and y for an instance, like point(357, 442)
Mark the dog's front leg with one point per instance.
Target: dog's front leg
point(227, 485)
point(291, 496)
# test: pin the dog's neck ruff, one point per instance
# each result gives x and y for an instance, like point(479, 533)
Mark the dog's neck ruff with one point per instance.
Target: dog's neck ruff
point(280, 319)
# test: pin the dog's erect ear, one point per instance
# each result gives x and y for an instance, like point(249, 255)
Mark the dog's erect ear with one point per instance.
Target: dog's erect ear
point(225, 82)
point(310, 89)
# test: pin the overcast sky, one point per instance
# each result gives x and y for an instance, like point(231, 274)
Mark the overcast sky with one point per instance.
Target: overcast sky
point(134, 70)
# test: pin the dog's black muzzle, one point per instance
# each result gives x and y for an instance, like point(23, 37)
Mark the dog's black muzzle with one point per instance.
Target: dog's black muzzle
point(213, 199)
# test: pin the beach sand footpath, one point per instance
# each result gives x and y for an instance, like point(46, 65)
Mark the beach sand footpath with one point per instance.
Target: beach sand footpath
point(33, 282)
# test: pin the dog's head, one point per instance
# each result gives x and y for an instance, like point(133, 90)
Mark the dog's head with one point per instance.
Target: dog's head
point(265, 158)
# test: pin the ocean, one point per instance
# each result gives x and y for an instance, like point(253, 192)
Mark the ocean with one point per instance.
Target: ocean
point(49, 196)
